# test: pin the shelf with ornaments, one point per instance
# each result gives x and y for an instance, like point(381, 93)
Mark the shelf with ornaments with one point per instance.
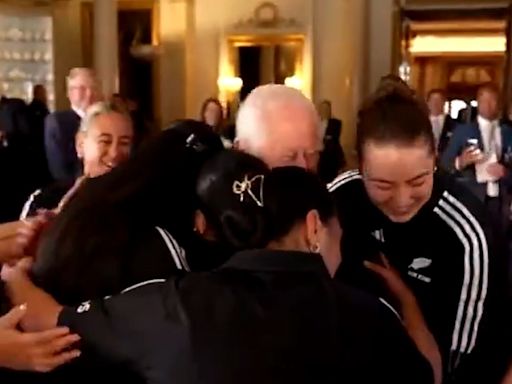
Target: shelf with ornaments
point(26, 55)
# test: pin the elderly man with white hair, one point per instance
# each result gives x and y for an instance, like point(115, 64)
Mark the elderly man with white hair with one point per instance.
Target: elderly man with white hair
point(280, 125)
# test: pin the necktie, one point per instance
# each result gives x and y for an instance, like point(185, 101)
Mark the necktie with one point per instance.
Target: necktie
point(493, 143)
point(436, 126)
point(493, 188)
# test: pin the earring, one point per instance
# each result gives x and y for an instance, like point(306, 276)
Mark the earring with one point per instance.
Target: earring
point(315, 248)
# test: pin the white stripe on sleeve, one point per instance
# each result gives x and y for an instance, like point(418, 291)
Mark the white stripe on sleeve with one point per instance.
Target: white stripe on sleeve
point(482, 241)
point(141, 284)
point(180, 251)
point(28, 204)
point(475, 280)
point(344, 178)
point(171, 244)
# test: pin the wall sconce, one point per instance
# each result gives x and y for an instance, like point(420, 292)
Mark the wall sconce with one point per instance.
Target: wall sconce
point(145, 51)
point(229, 87)
point(230, 84)
point(294, 82)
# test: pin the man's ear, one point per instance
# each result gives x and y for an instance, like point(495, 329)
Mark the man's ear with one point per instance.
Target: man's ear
point(79, 144)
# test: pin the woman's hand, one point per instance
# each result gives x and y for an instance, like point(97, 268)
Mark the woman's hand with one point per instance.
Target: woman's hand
point(29, 234)
point(413, 319)
point(393, 281)
point(43, 310)
point(37, 351)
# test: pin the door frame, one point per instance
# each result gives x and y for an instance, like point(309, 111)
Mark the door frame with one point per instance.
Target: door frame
point(431, 10)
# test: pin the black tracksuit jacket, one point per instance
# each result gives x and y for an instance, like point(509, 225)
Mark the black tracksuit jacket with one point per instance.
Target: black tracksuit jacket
point(450, 257)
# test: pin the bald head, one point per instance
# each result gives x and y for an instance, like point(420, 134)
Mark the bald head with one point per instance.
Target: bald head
point(281, 126)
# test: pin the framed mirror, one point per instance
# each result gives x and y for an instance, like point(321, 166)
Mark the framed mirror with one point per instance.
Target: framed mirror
point(262, 49)
point(266, 59)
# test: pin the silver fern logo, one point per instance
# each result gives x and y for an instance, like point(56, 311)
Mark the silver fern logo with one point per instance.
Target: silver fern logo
point(420, 263)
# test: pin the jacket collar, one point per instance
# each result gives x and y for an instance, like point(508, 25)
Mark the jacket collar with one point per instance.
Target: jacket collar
point(277, 261)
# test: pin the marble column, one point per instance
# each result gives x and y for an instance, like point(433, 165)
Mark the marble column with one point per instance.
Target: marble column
point(380, 41)
point(340, 51)
point(106, 62)
point(173, 75)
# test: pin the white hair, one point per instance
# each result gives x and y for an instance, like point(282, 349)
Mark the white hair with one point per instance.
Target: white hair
point(81, 71)
point(253, 116)
point(99, 109)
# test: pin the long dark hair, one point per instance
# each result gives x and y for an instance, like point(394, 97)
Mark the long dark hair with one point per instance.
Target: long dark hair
point(393, 114)
point(211, 100)
point(82, 252)
point(249, 205)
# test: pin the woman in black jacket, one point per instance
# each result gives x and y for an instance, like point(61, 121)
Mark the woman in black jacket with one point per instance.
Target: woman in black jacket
point(432, 230)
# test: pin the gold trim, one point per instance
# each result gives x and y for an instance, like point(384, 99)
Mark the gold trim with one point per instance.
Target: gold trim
point(264, 39)
point(267, 6)
point(244, 40)
point(126, 5)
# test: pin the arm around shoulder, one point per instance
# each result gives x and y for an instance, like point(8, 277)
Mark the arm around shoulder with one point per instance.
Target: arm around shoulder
point(118, 328)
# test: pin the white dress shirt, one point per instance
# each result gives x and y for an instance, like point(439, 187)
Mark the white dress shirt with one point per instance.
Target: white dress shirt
point(491, 140)
point(491, 135)
point(437, 126)
point(78, 111)
point(323, 125)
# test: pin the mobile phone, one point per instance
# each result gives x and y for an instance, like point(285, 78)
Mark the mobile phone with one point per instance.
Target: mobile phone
point(472, 143)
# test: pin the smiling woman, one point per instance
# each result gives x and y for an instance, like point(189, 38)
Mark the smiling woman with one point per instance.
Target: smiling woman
point(397, 151)
point(416, 215)
point(104, 140)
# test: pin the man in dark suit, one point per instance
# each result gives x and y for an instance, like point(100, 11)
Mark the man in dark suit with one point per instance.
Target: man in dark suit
point(37, 112)
point(62, 126)
point(332, 158)
point(480, 154)
point(442, 124)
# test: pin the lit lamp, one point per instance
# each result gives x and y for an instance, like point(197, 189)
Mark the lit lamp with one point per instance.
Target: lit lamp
point(230, 84)
point(230, 87)
point(294, 82)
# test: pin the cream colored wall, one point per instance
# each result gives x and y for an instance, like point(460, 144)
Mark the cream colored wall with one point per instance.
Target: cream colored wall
point(380, 41)
point(339, 52)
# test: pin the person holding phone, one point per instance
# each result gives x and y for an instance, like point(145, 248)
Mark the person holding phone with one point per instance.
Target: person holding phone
point(479, 156)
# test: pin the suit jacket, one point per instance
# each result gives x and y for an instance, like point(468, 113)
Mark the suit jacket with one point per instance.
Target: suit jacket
point(59, 137)
point(333, 130)
point(332, 159)
point(15, 123)
point(446, 134)
point(468, 176)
